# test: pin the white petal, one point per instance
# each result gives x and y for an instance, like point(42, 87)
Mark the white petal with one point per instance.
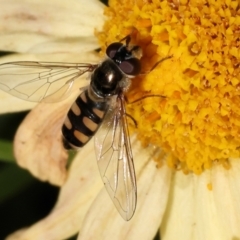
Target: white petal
point(178, 219)
point(46, 20)
point(76, 196)
point(104, 222)
point(38, 142)
point(194, 212)
point(8, 103)
point(226, 195)
point(35, 43)
point(70, 46)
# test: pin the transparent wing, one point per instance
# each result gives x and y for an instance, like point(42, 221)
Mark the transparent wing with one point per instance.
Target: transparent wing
point(115, 161)
point(41, 81)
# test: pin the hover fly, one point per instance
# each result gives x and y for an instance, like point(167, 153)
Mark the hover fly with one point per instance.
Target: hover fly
point(98, 111)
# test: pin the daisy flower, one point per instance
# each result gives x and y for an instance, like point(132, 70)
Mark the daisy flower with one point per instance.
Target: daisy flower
point(186, 144)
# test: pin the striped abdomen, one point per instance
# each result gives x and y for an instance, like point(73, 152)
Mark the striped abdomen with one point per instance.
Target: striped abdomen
point(83, 120)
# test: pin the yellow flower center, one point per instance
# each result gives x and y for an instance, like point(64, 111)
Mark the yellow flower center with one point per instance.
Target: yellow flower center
point(197, 122)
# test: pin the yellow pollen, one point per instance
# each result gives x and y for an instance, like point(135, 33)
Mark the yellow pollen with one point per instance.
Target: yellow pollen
point(197, 122)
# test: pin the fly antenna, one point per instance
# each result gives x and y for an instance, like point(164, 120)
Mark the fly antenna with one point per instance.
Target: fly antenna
point(127, 39)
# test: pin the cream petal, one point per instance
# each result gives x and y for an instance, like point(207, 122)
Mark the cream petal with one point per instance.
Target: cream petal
point(35, 43)
point(47, 20)
point(226, 195)
point(84, 56)
point(104, 222)
point(22, 41)
point(178, 220)
point(38, 142)
point(8, 103)
point(195, 212)
point(76, 196)
point(69, 45)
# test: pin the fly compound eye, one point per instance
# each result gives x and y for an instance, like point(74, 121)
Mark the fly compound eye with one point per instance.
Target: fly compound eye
point(131, 66)
point(113, 48)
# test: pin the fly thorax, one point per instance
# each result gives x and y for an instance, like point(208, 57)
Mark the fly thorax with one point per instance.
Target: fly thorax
point(107, 79)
